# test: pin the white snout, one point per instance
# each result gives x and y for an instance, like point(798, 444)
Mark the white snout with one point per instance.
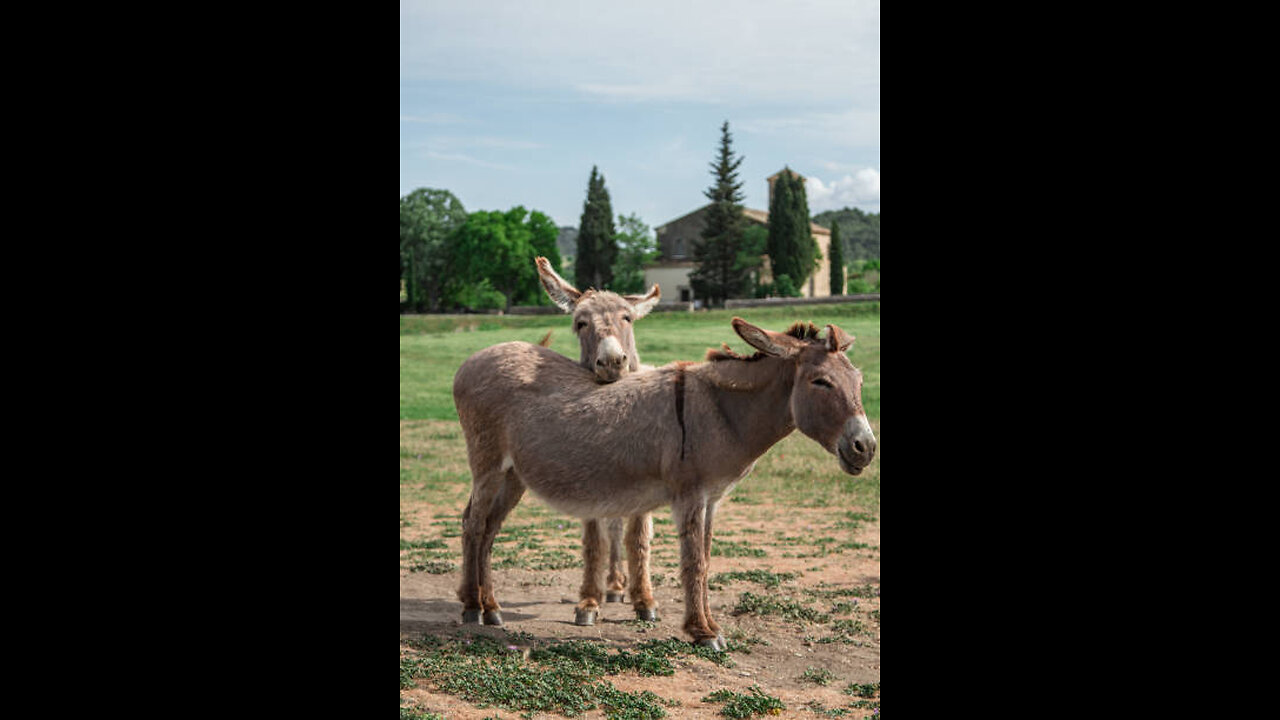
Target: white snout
point(611, 360)
point(857, 445)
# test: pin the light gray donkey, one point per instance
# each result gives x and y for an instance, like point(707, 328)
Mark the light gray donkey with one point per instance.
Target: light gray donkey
point(605, 325)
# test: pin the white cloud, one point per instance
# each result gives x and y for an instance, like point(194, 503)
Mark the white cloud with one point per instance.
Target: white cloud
point(860, 190)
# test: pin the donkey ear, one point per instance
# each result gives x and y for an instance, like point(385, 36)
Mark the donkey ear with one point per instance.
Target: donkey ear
point(837, 339)
point(769, 343)
point(642, 304)
point(564, 295)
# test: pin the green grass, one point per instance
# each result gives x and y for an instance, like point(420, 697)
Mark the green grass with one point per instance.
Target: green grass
point(770, 605)
point(432, 347)
point(433, 463)
point(764, 577)
point(743, 705)
point(818, 676)
point(566, 677)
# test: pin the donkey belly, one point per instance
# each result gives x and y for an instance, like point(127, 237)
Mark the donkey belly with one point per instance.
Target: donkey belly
point(600, 496)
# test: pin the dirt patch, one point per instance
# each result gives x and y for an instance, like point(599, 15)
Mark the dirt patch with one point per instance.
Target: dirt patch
point(813, 615)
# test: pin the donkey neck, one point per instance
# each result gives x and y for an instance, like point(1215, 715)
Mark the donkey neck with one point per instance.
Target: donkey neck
point(752, 399)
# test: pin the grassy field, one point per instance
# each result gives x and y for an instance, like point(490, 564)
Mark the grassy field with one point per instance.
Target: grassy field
point(795, 567)
point(432, 347)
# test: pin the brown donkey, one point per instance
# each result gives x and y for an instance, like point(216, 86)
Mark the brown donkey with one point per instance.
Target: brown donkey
point(605, 325)
point(681, 435)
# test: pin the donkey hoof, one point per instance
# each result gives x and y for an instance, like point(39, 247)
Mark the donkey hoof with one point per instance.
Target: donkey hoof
point(471, 617)
point(613, 597)
point(492, 617)
point(584, 617)
point(647, 614)
point(717, 643)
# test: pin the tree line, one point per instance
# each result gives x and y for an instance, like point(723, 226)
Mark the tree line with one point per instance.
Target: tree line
point(454, 260)
point(451, 259)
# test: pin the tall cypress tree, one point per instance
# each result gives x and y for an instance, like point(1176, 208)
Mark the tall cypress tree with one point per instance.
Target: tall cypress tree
point(597, 245)
point(783, 244)
point(836, 253)
point(810, 254)
point(792, 249)
point(719, 274)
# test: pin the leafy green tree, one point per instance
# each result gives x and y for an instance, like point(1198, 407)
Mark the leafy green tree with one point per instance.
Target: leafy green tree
point(637, 247)
point(719, 274)
point(783, 287)
point(493, 258)
point(543, 235)
point(597, 245)
point(427, 218)
point(836, 252)
point(496, 247)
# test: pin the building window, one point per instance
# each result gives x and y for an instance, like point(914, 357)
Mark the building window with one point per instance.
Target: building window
point(684, 294)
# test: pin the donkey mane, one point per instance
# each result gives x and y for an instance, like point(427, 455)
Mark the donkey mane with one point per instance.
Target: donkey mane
point(800, 331)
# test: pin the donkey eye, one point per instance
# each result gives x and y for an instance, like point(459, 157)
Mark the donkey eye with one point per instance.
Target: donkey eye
point(627, 318)
point(823, 382)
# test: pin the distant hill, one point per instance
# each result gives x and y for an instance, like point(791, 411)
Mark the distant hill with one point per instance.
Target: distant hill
point(859, 232)
point(567, 242)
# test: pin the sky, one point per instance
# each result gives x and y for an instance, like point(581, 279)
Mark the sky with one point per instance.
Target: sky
point(512, 102)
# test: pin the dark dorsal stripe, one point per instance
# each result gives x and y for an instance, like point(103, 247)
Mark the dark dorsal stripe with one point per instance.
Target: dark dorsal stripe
point(680, 405)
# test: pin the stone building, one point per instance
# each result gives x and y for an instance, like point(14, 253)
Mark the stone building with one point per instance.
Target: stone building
point(676, 239)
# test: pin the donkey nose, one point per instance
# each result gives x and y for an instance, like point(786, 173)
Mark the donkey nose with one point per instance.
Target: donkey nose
point(858, 446)
point(865, 446)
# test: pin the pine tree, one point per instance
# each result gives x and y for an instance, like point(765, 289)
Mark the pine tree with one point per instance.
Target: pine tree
point(719, 274)
point(836, 252)
point(597, 245)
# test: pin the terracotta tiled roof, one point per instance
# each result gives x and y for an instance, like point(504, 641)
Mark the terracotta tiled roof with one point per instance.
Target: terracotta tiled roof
point(760, 216)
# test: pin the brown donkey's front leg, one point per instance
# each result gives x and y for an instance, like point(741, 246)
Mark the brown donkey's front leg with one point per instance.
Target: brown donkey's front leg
point(691, 521)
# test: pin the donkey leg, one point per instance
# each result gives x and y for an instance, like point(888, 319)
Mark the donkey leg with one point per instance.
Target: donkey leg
point(593, 550)
point(691, 519)
point(511, 492)
point(639, 535)
point(711, 623)
point(617, 578)
point(484, 488)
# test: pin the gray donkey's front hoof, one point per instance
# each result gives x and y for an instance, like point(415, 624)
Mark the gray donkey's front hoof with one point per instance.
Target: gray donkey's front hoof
point(471, 617)
point(613, 597)
point(492, 617)
point(584, 617)
point(647, 614)
point(717, 643)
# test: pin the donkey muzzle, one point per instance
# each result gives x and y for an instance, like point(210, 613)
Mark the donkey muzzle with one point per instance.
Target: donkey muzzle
point(857, 445)
point(611, 360)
